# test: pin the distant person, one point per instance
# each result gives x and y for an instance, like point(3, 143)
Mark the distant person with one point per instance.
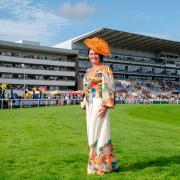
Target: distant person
point(99, 97)
point(67, 100)
point(62, 101)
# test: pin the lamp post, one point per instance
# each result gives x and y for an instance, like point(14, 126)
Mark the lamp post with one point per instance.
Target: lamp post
point(23, 66)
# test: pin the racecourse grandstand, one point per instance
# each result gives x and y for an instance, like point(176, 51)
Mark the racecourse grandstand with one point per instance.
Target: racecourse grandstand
point(144, 67)
point(26, 65)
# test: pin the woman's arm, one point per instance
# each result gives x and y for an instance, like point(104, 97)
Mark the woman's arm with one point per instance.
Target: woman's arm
point(107, 91)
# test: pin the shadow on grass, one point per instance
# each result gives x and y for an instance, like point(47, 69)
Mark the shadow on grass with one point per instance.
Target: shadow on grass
point(159, 162)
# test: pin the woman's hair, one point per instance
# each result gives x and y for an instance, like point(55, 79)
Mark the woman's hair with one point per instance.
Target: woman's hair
point(100, 56)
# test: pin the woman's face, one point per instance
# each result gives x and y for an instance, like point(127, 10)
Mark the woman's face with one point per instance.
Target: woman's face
point(94, 57)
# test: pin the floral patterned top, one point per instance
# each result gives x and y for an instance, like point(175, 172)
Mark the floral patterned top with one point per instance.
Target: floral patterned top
point(98, 82)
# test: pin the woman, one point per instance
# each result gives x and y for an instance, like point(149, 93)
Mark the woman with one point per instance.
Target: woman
point(99, 97)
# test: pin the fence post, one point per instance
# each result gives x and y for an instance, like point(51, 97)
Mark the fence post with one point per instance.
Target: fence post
point(21, 103)
point(11, 103)
point(1, 103)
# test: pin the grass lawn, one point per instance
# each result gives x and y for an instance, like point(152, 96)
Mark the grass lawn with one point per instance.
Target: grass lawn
point(51, 143)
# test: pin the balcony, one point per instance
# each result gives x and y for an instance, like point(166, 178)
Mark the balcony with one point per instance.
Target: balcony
point(11, 59)
point(146, 74)
point(134, 62)
point(37, 82)
point(36, 72)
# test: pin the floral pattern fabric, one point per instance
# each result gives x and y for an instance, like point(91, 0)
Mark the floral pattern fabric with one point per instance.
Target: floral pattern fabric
point(99, 91)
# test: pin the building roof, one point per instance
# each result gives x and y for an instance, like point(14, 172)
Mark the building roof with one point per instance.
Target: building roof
point(68, 43)
point(36, 48)
point(125, 40)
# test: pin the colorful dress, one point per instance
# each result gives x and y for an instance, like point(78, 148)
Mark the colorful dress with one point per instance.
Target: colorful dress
point(98, 88)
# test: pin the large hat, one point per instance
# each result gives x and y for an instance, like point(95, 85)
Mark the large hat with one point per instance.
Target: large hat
point(99, 45)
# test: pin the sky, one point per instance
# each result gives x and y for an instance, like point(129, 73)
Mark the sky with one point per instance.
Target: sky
point(53, 21)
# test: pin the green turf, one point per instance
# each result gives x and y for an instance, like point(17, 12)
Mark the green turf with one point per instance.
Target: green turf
point(51, 143)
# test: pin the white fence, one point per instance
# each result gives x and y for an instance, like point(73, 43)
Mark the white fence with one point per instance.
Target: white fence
point(146, 101)
point(20, 103)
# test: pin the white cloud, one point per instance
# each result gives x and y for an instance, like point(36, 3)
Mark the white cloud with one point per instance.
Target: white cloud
point(20, 19)
point(79, 11)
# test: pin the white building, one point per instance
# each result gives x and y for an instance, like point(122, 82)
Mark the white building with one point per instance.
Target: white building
point(26, 64)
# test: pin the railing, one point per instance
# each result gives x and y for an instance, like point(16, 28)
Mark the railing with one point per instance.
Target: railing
point(27, 103)
point(22, 103)
point(137, 62)
point(55, 59)
point(146, 73)
point(146, 101)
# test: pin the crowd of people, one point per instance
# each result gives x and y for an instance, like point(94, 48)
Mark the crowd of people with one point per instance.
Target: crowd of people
point(147, 91)
point(126, 91)
point(136, 91)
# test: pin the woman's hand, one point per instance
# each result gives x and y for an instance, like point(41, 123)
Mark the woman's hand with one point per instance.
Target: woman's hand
point(83, 105)
point(102, 112)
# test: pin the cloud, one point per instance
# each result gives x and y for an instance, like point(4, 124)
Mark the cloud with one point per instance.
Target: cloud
point(77, 12)
point(20, 19)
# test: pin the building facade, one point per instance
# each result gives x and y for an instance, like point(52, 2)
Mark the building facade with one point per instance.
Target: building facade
point(26, 64)
point(135, 57)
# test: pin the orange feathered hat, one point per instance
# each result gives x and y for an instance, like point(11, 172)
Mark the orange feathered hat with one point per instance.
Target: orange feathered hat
point(99, 45)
